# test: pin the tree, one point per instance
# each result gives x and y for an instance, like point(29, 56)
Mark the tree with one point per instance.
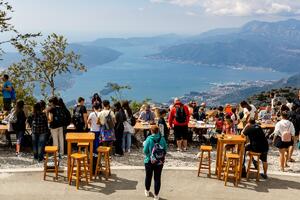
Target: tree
point(116, 89)
point(42, 64)
point(6, 26)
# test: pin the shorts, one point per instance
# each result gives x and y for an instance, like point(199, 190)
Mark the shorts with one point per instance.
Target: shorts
point(282, 145)
point(263, 155)
point(181, 132)
point(20, 136)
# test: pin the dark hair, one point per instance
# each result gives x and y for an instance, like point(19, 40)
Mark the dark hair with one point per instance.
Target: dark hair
point(6, 76)
point(37, 108)
point(117, 106)
point(105, 103)
point(61, 103)
point(289, 100)
point(19, 106)
point(80, 99)
point(97, 99)
point(54, 101)
point(284, 115)
point(272, 94)
point(234, 112)
point(220, 108)
point(244, 104)
point(125, 106)
point(252, 121)
point(96, 106)
point(284, 108)
point(43, 104)
point(162, 111)
point(227, 117)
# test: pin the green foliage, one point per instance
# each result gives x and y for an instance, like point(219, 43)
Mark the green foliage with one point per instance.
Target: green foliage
point(42, 65)
point(117, 90)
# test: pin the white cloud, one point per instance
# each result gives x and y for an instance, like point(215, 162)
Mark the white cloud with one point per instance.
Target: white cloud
point(241, 7)
point(189, 13)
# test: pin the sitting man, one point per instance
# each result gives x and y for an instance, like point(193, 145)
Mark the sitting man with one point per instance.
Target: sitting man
point(147, 116)
point(258, 144)
point(265, 114)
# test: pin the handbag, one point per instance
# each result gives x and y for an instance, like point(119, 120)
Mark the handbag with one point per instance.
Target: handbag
point(277, 141)
point(106, 135)
point(128, 128)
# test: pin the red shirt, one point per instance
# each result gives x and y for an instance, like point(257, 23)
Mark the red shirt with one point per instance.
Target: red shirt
point(172, 116)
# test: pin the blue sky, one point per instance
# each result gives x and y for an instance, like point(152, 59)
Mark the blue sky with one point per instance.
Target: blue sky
point(89, 19)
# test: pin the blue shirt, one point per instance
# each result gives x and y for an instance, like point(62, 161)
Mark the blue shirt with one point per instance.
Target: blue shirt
point(6, 94)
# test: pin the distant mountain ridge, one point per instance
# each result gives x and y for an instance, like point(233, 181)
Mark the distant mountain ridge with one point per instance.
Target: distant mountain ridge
point(273, 45)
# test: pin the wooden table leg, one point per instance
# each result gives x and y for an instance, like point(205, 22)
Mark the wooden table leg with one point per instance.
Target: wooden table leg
point(242, 148)
point(220, 157)
point(91, 159)
point(217, 157)
point(69, 158)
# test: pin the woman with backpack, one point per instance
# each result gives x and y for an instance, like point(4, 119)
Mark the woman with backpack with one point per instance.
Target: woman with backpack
point(283, 138)
point(155, 148)
point(128, 127)
point(20, 125)
point(119, 128)
point(39, 126)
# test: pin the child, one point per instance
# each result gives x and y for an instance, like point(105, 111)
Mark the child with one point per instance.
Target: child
point(228, 127)
point(219, 124)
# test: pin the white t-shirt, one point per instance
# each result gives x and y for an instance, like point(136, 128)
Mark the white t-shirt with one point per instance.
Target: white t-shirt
point(93, 118)
point(284, 125)
point(251, 113)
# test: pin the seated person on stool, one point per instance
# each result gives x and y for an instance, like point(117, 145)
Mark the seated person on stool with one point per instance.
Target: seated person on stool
point(258, 144)
point(147, 116)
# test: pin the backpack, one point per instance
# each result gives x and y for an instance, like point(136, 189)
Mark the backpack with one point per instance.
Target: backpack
point(58, 117)
point(286, 135)
point(158, 153)
point(109, 123)
point(13, 94)
point(66, 117)
point(77, 116)
point(180, 115)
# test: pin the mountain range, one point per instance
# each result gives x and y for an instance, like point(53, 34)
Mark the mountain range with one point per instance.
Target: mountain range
point(274, 45)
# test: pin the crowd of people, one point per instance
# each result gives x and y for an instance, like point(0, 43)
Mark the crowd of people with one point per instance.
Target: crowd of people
point(114, 126)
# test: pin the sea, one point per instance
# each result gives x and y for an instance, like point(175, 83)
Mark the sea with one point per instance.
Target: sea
point(158, 80)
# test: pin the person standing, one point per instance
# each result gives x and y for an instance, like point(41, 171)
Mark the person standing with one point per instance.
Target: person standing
point(7, 93)
point(283, 139)
point(55, 118)
point(119, 127)
point(107, 124)
point(97, 100)
point(80, 116)
point(258, 144)
point(162, 125)
point(128, 127)
point(297, 101)
point(20, 125)
point(39, 126)
point(179, 120)
point(155, 148)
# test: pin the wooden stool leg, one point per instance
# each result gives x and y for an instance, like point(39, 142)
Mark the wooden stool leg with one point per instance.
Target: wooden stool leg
point(56, 165)
point(236, 172)
point(45, 166)
point(106, 166)
point(85, 171)
point(78, 174)
point(109, 165)
point(200, 163)
point(209, 172)
point(71, 171)
point(226, 172)
point(97, 166)
point(249, 166)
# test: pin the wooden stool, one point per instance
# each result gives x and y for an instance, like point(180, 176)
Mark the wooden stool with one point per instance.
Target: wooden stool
point(202, 165)
point(103, 152)
point(232, 162)
point(51, 150)
point(84, 146)
point(79, 158)
point(249, 169)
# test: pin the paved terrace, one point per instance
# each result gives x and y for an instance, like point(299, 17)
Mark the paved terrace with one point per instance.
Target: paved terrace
point(129, 184)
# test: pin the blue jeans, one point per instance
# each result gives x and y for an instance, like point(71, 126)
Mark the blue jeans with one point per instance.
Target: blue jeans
point(126, 143)
point(38, 145)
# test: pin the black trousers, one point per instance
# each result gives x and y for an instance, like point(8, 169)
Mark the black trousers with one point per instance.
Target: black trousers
point(150, 169)
point(119, 138)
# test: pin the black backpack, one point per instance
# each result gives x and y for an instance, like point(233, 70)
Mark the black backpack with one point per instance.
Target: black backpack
point(58, 117)
point(109, 123)
point(66, 117)
point(77, 116)
point(158, 153)
point(180, 115)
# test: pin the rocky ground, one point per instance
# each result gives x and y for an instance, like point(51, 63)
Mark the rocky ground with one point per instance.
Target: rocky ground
point(189, 159)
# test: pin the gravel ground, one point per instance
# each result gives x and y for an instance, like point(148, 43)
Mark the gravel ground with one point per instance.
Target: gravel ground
point(8, 159)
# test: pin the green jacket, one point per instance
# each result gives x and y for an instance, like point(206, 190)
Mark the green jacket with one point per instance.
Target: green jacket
point(149, 144)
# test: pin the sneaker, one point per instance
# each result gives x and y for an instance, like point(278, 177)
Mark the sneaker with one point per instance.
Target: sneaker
point(147, 194)
point(156, 197)
point(264, 176)
point(18, 154)
point(128, 151)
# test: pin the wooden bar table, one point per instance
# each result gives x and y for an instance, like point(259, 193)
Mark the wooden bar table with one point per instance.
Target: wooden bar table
point(229, 139)
point(80, 137)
